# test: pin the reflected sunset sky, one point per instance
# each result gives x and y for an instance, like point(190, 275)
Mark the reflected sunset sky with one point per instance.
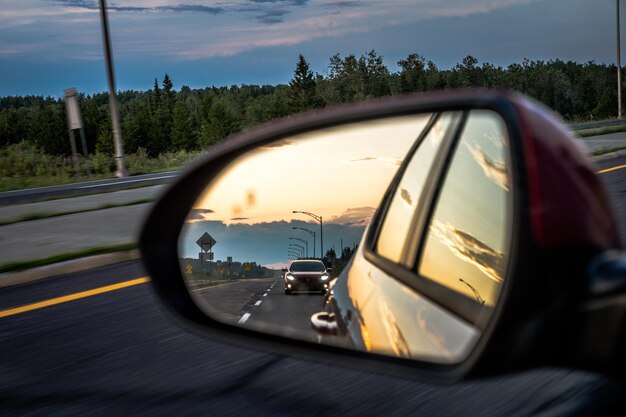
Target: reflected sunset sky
point(338, 173)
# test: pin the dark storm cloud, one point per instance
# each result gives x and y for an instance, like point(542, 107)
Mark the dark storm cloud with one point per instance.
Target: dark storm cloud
point(264, 243)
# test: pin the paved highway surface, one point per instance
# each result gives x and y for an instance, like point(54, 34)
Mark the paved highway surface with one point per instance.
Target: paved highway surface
point(98, 343)
point(262, 304)
point(82, 188)
point(117, 352)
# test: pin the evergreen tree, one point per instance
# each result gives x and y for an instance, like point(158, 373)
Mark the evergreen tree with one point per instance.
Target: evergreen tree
point(412, 73)
point(220, 123)
point(182, 134)
point(302, 94)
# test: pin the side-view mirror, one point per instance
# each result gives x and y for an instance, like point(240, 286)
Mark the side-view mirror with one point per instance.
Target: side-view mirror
point(467, 233)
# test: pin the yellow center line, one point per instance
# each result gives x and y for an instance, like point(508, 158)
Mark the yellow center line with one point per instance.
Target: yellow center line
point(72, 297)
point(612, 169)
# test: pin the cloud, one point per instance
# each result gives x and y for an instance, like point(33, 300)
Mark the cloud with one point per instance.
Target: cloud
point(288, 2)
point(93, 5)
point(198, 215)
point(272, 16)
point(389, 161)
point(494, 170)
point(343, 4)
point(239, 218)
point(470, 249)
point(359, 216)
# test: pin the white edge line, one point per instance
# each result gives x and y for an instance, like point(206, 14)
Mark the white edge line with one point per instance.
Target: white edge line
point(125, 182)
point(243, 318)
point(258, 303)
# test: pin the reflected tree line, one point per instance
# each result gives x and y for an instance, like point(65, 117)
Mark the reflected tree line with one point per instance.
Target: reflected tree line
point(166, 119)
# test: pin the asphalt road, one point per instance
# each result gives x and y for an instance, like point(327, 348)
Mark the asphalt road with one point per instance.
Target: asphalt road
point(614, 179)
point(261, 304)
point(119, 353)
point(87, 187)
point(108, 348)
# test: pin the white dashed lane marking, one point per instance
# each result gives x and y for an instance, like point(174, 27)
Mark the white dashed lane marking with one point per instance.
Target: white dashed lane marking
point(243, 318)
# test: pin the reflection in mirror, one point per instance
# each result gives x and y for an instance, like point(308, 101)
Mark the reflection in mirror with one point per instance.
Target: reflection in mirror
point(300, 197)
point(273, 243)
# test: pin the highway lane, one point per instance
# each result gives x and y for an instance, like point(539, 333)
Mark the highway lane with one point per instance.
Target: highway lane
point(118, 353)
point(613, 175)
point(85, 187)
point(261, 304)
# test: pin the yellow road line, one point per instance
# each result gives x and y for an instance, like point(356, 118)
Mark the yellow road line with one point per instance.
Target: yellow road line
point(72, 297)
point(611, 169)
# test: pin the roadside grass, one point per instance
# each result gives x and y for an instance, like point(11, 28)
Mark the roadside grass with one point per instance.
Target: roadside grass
point(47, 215)
point(603, 151)
point(585, 133)
point(96, 250)
point(25, 166)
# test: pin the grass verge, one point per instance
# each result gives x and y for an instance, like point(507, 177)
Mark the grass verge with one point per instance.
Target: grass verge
point(600, 131)
point(83, 253)
point(603, 151)
point(47, 215)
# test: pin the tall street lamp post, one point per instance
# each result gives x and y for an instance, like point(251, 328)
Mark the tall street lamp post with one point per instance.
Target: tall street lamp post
point(306, 243)
point(311, 232)
point(319, 219)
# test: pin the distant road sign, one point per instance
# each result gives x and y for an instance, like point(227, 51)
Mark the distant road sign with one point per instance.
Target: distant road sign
point(247, 266)
point(206, 242)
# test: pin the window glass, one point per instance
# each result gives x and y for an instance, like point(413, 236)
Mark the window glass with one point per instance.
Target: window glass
point(396, 225)
point(468, 239)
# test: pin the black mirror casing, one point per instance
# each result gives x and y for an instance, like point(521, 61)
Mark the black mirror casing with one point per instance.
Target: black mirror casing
point(527, 320)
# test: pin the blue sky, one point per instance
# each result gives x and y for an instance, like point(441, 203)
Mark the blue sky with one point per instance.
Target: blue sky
point(49, 45)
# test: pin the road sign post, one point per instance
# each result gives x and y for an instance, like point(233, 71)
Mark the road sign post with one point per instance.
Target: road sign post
point(206, 243)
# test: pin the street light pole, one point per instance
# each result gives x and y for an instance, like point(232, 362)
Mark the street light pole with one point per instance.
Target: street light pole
point(115, 114)
point(319, 219)
point(299, 247)
point(311, 232)
point(306, 243)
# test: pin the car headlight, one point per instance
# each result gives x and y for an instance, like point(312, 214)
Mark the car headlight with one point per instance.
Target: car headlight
point(289, 277)
point(324, 277)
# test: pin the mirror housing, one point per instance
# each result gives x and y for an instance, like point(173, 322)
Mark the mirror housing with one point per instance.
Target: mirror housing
point(552, 242)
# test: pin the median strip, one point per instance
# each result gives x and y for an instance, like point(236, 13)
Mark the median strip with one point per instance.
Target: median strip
point(96, 250)
point(72, 297)
point(47, 215)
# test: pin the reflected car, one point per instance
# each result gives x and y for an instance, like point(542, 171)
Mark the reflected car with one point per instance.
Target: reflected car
point(306, 275)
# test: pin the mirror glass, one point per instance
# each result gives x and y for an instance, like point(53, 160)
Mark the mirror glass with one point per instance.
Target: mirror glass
point(274, 242)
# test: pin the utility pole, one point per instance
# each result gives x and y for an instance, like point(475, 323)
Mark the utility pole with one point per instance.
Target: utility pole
point(115, 114)
point(619, 68)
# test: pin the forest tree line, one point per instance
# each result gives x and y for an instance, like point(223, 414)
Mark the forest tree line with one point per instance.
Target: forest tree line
point(166, 119)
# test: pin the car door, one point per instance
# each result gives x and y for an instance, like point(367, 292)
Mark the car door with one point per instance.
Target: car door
point(429, 270)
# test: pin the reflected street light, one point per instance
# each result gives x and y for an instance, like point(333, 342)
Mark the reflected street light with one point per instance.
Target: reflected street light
point(300, 248)
point(306, 242)
point(319, 219)
point(311, 232)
